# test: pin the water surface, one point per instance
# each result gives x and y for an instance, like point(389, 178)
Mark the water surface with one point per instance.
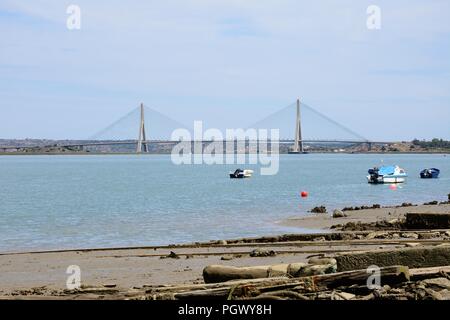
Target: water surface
point(55, 202)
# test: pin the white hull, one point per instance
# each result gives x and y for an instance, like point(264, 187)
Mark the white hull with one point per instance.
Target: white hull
point(394, 179)
point(389, 179)
point(248, 173)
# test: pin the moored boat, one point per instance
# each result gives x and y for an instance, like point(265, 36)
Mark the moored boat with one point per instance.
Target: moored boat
point(387, 174)
point(239, 174)
point(430, 173)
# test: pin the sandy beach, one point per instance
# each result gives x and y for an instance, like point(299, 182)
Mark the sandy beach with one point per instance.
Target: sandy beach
point(132, 270)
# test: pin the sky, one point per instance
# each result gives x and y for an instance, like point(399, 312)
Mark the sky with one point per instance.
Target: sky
point(226, 62)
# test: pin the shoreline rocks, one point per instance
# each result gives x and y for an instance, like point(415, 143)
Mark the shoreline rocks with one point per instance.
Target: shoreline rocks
point(262, 253)
point(320, 209)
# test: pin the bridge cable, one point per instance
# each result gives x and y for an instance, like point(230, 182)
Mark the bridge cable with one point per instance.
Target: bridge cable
point(334, 122)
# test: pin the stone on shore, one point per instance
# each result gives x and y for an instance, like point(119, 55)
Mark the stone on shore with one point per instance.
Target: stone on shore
point(412, 244)
point(320, 209)
point(339, 214)
point(171, 255)
point(322, 261)
point(377, 235)
point(410, 235)
point(429, 235)
point(262, 253)
point(226, 258)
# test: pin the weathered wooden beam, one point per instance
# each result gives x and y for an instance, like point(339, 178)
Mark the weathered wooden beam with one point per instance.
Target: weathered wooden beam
point(204, 286)
point(426, 273)
point(418, 257)
point(388, 275)
point(223, 290)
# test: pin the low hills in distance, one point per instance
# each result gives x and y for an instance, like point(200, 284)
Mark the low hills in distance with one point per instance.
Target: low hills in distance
point(46, 146)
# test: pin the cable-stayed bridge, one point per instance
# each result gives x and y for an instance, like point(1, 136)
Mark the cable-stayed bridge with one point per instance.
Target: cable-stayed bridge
point(299, 125)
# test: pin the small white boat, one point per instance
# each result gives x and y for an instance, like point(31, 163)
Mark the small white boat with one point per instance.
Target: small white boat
point(239, 173)
point(387, 174)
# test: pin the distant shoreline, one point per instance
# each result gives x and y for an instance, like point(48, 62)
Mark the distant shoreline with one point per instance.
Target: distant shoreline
point(133, 153)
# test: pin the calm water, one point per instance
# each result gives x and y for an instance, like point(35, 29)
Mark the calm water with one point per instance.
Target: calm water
point(54, 202)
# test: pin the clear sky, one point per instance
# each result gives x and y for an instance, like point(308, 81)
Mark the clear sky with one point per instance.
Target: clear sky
point(227, 62)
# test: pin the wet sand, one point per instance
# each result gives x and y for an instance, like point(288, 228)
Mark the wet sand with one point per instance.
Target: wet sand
point(324, 221)
point(44, 274)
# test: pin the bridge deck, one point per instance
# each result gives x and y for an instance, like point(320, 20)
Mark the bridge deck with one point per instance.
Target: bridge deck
point(133, 142)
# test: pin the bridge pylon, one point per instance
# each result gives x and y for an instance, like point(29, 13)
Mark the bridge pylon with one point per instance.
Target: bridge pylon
point(298, 144)
point(141, 144)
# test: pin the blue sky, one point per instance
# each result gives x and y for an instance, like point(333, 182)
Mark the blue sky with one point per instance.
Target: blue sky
point(213, 60)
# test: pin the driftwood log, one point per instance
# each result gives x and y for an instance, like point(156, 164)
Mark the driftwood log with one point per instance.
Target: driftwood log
point(220, 273)
point(254, 288)
point(426, 273)
point(388, 275)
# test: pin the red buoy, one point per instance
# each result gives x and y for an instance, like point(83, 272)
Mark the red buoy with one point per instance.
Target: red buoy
point(304, 194)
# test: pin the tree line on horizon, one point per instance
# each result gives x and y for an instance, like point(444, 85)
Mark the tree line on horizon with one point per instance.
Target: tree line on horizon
point(434, 143)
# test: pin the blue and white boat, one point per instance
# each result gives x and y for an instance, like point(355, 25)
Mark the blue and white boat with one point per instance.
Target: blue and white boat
point(387, 174)
point(431, 173)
